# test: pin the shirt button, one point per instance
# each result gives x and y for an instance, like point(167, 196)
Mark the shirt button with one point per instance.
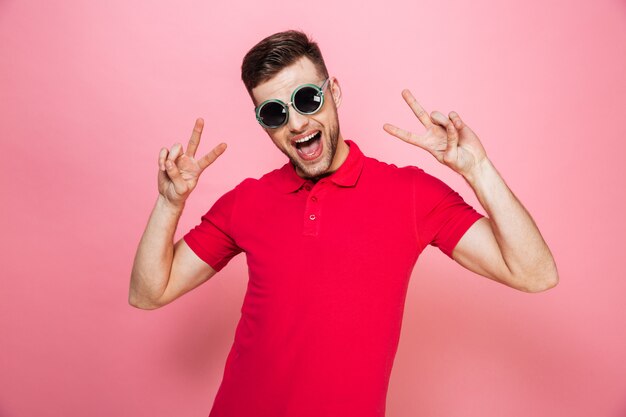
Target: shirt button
point(307, 187)
point(312, 217)
point(314, 199)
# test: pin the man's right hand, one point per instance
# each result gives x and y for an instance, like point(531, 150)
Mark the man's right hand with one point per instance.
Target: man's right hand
point(179, 171)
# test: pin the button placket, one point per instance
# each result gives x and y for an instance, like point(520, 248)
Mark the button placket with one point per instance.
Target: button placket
point(312, 212)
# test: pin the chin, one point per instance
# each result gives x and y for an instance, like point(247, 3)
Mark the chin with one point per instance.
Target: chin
point(315, 170)
point(323, 162)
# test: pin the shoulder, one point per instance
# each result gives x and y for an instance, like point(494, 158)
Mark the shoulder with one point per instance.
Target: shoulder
point(264, 183)
point(249, 187)
point(423, 186)
point(237, 197)
point(388, 171)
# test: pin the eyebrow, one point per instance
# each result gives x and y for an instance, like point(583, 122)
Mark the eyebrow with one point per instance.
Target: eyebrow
point(316, 83)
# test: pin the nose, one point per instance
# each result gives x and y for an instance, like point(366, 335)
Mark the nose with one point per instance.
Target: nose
point(297, 122)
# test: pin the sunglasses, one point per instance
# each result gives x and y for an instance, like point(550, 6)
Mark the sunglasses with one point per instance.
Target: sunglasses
point(306, 99)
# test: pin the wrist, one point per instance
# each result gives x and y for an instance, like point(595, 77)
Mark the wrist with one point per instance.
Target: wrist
point(478, 171)
point(173, 208)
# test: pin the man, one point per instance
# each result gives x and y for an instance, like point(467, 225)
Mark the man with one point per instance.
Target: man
point(330, 238)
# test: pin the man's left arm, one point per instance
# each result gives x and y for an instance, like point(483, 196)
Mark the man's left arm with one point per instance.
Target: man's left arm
point(506, 246)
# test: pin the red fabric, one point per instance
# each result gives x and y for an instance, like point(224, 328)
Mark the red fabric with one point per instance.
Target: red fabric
point(329, 264)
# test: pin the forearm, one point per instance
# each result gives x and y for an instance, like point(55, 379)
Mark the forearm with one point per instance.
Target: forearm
point(155, 253)
point(523, 249)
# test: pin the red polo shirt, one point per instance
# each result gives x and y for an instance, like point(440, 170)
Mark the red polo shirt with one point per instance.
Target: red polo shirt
point(329, 264)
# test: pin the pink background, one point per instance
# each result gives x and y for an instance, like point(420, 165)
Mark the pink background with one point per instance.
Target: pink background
point(90, 91)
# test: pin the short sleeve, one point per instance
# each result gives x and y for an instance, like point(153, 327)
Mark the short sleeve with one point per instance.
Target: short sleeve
point(443, 215)
point(212, 239)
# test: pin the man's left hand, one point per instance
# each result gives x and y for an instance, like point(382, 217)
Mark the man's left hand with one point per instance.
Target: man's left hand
point(448, 139)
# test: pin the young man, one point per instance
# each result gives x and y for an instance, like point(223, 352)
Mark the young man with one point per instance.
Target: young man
point(331, 239)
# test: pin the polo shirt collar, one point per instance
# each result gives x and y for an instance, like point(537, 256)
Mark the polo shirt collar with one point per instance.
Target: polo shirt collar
point(346, 176)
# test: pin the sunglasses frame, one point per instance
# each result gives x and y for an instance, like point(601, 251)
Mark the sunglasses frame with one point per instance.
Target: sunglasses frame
point(285, 106)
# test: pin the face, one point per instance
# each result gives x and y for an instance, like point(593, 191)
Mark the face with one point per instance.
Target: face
point(309, 141)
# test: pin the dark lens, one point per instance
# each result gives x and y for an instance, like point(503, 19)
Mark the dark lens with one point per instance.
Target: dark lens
point(273, 114)
point(307, 100)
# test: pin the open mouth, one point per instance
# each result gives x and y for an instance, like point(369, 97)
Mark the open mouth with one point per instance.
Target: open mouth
point(309, 147)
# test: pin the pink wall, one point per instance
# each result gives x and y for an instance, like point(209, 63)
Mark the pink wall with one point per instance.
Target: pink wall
point(90, 91)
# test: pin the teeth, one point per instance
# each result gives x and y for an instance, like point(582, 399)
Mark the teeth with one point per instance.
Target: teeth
point(304, 139)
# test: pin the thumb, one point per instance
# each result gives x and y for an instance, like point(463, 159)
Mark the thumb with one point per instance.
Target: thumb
point(180, 186)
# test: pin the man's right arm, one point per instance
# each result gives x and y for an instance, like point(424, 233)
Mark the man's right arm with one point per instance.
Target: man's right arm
point(162, 271)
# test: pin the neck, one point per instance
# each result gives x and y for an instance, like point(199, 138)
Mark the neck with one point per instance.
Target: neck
point(340, 155)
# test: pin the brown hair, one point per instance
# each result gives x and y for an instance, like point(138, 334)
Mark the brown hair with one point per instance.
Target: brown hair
point(268, 57)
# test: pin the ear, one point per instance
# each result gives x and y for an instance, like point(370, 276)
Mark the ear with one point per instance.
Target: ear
point(335, 91)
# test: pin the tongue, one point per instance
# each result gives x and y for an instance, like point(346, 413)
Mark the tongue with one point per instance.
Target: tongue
point(311, 146)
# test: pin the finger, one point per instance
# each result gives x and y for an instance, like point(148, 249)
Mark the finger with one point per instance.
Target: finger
point(460, 125)
point(194, 141)
point(417, 108)
point(405, 135)
point(440, 119)
point(175, 152)
point(456, 119)
point(209, 158)
point(453, 135)
point(162, 155)
point(180, 186)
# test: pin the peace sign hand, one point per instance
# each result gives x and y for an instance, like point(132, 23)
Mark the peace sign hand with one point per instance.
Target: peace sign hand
point(449, 140)
point(179, 171)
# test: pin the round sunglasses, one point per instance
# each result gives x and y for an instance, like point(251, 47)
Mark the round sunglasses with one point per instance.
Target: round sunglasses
point(305, 99)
